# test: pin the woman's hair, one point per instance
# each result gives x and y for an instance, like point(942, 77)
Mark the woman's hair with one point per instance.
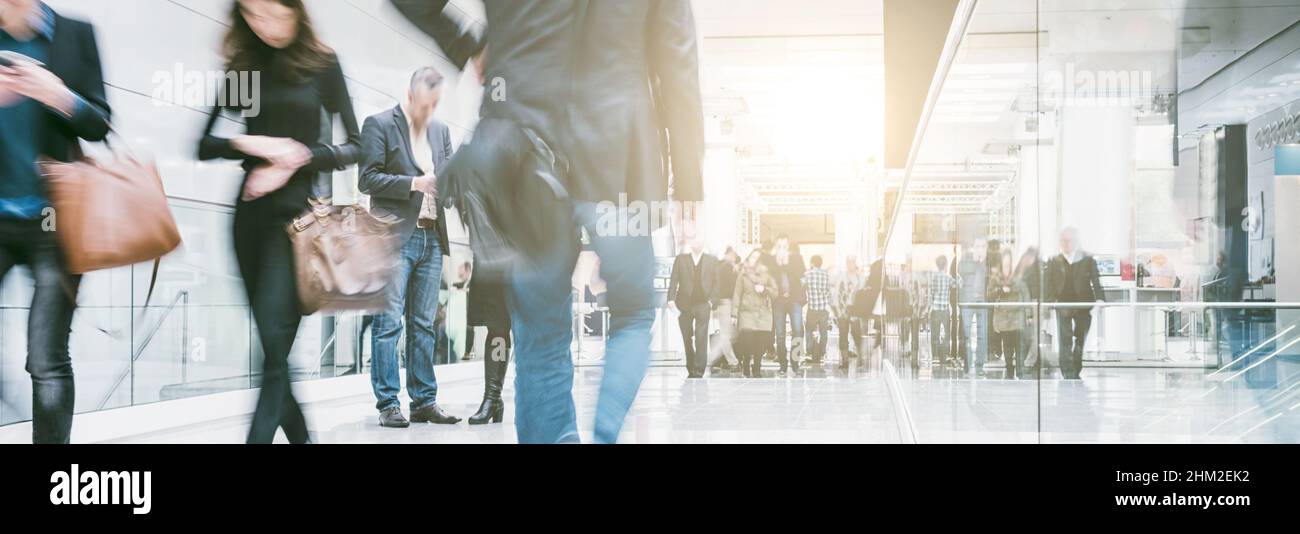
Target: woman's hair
point(307, 55)
point(1026, 261)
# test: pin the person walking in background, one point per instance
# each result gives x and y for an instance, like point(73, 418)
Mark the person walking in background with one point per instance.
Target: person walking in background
point(847, 286)
point(282, 154)
point(725, 286)
point(973, 272)
point(47, 104)
point(1006, 288)
point(817, 290)
point(940, 287)
point(787, 302)
point(752, 299)
point(1029, 271)
point(402, 149)
point(691, 292)
point(1073, 278)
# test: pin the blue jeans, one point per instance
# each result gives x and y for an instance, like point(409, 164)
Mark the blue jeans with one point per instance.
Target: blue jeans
point(781, 309)
point(541, 309)
point(413, 297)
point(975, 329)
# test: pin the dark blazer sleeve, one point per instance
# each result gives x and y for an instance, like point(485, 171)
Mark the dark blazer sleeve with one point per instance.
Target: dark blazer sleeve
point(675, 280)
point(373, 180)
point(338, 102)
point(675, 75)
point(458, 43)
point(1094, 280)
point(90, 119)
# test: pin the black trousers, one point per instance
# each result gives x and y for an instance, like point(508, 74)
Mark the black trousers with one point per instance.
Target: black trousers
point(1008, 345)
point(940, 334)
point(753, 344)
point(1072, 331)
point(265, 257)
point(850, 329)
point(49, 324)
point(694, 323)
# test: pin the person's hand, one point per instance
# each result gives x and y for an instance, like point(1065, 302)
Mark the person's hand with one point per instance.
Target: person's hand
point(759, 289)
point(480, 66)
point(672, 306)
point(8, 97)
point(278, 151)
point(427, 184)
point(35, 82)
point(265, 180)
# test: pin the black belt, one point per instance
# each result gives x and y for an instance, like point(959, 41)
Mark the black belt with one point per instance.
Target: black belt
point(425, 224)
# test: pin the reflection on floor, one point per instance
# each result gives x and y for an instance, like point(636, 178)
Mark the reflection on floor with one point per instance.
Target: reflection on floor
point(824, 404)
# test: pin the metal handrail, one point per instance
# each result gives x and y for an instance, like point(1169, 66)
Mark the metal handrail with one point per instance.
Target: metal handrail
point(1157, 305)
point(148, 338)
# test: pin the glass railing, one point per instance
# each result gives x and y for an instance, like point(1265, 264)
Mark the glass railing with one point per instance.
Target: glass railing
point(1181, 372)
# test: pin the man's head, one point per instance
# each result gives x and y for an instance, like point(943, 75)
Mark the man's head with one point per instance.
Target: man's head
point(781, 249)
point(851, 263)
point(941, 263)
point(979, 249)
point(691, 234)
point(423, 95)
point(1069, 241)
point(731, 256)
point(817, 262)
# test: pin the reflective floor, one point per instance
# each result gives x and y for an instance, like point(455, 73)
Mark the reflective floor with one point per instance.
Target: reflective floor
point(824, 404)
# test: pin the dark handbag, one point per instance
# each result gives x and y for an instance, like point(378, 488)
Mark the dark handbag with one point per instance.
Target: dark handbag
point(343, 259)
point(507, 184)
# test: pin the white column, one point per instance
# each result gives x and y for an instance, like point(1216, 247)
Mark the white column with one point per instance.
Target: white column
point(721, 211)
point(1286, 255)
point(1096, 166)
point(1096, 171)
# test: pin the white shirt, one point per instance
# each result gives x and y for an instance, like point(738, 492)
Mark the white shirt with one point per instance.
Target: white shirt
point(423, 154)
point(696, 257)
point(421, 149)
point(1074, 257)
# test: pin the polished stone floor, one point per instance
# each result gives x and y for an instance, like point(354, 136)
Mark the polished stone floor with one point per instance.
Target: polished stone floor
point(823, 404)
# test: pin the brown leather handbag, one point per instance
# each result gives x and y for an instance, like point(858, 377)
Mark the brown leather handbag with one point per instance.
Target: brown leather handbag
point(343, 258)
point(109, 213)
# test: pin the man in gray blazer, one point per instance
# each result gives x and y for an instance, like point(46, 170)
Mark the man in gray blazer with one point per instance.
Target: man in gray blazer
point(402, 150)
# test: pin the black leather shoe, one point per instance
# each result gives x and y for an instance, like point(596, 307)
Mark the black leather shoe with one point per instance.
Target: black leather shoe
point(393, 418)
point(433, 414)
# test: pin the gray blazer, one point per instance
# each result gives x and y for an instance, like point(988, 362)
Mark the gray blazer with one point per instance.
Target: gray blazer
point(388, 167)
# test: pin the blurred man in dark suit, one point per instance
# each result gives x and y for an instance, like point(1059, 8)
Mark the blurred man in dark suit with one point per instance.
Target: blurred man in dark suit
point(1072, 277)
point(613, 88)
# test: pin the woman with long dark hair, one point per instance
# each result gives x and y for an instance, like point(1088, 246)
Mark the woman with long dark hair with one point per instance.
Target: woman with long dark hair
point(282, 153)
